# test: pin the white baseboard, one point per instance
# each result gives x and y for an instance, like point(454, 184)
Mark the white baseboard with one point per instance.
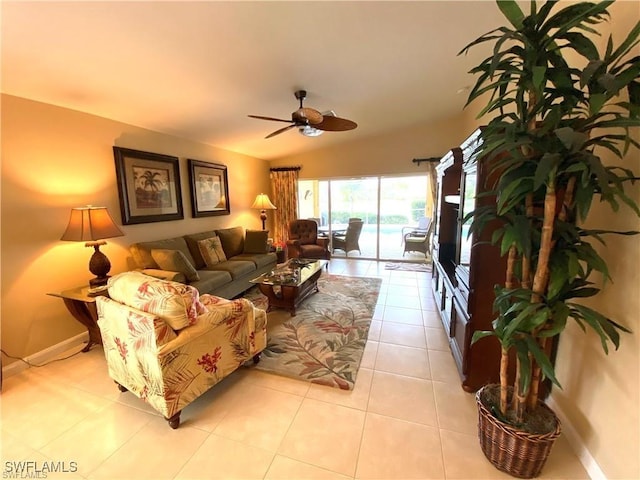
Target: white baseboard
point(43, 356)
point(579, 448)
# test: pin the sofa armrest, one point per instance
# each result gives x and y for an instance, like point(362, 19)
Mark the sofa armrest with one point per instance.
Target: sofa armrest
point(165, 275)
point(294, 242)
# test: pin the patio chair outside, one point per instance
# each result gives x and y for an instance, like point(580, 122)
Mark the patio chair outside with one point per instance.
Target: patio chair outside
point(348, 241)
point(418, 240)
point(421, 229)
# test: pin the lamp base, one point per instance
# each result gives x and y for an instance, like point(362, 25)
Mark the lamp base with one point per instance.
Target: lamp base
point(99, 281)
point(99, 265)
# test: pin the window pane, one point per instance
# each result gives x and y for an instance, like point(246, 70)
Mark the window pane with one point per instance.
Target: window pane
point(356, 199)
point(333, 202)
point(402, 205)
point(313, 200)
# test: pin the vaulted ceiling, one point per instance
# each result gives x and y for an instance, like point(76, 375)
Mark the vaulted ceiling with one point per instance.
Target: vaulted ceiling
point(197, 69)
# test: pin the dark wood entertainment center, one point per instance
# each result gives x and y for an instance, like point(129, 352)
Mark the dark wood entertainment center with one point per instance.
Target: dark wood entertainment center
point(465, 269)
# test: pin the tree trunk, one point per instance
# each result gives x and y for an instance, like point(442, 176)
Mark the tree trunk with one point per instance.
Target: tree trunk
point(504, 358)
point(519, 396)
point(526, 261)
point(565, 213)
point(516, 382)
point(511, 261)
point(567, 203)
point(504, 380)
point(532, 401)
point(541, 277)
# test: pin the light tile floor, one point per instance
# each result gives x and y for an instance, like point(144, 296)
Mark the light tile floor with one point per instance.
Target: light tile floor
point(407, 417)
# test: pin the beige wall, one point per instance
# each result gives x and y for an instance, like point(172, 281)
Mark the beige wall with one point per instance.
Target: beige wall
point(54, 159)
point(601, 395)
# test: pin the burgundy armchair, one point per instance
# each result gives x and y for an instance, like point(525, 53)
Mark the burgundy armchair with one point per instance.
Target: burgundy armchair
point(304, 242)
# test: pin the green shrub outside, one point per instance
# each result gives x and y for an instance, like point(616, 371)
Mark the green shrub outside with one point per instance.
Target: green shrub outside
point(371, 218)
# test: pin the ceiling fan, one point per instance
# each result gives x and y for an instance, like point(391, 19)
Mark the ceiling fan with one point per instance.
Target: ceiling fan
point(310, 122)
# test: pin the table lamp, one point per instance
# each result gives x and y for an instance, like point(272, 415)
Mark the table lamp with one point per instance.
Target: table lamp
point(91, 225)
point(263, 203)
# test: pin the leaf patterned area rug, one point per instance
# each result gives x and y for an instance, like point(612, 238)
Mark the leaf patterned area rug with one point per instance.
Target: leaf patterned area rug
point(324, 342)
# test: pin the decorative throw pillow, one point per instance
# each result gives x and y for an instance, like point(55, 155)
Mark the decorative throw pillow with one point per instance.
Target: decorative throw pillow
point(192, 243)
point(255, 241)
point(175, 261)
point(176, 303)
point(211, 251)
point(232, 240)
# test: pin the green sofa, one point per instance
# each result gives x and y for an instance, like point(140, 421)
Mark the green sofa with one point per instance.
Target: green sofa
point(246, 253)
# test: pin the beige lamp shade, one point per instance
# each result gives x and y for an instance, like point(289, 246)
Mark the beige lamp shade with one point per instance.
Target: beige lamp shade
point(92, 225)
point(263, 203)
point(88, 224)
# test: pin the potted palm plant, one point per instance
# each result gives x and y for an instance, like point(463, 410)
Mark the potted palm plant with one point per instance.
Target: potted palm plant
point(560, 113)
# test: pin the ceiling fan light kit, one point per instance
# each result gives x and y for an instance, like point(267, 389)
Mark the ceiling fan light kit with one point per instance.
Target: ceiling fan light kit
point(309, 131)
point(310, 122)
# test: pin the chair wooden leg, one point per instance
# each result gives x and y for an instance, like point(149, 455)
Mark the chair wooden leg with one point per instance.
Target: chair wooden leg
point(174, 420)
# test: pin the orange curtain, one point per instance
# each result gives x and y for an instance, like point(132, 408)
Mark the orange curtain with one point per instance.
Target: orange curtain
point(433, 188)
point(432, 200)
point(284, 192)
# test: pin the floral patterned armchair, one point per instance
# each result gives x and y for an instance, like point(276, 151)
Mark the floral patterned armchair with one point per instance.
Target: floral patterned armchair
point(168, 345)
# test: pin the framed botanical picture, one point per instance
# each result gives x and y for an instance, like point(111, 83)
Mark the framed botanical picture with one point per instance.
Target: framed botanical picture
point(209, 189)
point(148, 185)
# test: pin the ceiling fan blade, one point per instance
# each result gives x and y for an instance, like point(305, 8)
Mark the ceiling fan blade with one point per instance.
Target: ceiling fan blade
point(335, 124)
point(260, 117)
point(278, 132)
point(307, 115)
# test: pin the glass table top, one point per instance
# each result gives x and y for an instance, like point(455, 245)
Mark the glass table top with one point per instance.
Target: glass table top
point(293, 273)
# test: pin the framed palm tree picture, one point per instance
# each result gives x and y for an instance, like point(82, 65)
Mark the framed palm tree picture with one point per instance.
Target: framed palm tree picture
point(209, 188)
point(148, 186)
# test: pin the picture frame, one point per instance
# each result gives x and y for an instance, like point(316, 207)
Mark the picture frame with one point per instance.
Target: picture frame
point(148, 186)
point(209, 188)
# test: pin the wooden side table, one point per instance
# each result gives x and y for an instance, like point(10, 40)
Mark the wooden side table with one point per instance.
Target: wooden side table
point(83, 308)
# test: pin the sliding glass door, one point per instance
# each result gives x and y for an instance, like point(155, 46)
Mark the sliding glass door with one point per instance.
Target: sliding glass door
point(355, 200)
point(402, 205)
point(388, 207)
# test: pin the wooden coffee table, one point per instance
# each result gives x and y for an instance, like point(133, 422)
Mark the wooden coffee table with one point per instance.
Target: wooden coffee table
point(289, 284)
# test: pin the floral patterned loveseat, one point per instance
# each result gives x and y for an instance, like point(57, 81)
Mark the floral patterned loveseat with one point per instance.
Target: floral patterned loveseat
point(168, 345)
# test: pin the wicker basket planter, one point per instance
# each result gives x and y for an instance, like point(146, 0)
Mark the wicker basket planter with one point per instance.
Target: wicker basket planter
point(518, 453)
